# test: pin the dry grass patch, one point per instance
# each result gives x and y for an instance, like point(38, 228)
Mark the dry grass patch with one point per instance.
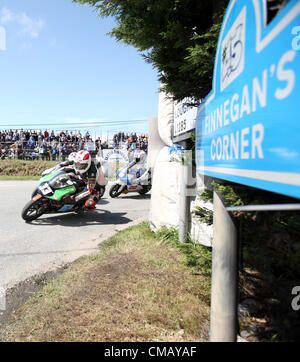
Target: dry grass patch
point(135, 289)
point(24, 169)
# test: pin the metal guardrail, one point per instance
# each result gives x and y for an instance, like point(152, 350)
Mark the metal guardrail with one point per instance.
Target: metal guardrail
point(38, 150)
point(41, 150)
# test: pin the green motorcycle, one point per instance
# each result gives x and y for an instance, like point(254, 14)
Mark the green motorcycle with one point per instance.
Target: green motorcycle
point(57, 192)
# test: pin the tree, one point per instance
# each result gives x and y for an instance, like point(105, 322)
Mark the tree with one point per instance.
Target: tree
point(178, 37)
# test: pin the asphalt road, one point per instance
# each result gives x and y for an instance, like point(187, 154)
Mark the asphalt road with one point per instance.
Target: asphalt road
point(29, 249)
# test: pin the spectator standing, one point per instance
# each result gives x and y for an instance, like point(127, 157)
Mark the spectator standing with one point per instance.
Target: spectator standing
point(31, 142)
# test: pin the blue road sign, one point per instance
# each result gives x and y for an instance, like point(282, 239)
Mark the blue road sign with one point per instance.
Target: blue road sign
point(248, 127)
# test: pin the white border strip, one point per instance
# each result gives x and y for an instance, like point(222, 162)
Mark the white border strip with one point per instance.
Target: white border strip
point(288, 178)
point(284, 22)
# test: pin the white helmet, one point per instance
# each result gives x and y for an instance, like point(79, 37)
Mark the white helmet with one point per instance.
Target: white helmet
point(139, 156)
point(71, 156)
point(82, 162)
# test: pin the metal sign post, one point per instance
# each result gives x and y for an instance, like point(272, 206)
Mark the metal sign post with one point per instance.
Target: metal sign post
point(225, 261)
point(223, 321)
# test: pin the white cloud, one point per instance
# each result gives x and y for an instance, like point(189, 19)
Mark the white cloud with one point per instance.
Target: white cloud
point(31, 27)
point(6, 16)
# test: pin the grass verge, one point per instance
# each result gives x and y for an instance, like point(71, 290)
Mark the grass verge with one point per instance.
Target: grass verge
point(26, 170)
point(140, 287)
point(23, 170)
point(19, 178)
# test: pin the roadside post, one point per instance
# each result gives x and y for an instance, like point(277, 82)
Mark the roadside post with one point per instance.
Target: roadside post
point(184, 126)
point(247, 132)
point(223, 315)
point(185, 202)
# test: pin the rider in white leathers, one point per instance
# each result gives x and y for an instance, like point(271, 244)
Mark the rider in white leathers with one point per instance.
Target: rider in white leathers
point(139, 162)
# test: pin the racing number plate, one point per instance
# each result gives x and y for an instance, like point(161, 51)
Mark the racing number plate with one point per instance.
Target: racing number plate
point(46, 189)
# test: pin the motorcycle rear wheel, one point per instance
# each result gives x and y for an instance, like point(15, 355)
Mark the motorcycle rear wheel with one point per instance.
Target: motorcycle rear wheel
point(32, 210)
point(114, 191)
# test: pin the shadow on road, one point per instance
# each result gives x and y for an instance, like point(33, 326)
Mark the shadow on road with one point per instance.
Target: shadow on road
point(103, 202)
point(135, 197)
point(101, 217)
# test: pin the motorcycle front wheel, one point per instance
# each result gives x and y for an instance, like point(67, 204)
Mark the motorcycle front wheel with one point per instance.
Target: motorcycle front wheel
point(145, 190)
point(114, 191)
point(32, 210)
point(35, 192)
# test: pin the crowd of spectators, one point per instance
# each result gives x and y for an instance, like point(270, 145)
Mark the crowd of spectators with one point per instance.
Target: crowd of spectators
point(56, 146)
point(131, 141)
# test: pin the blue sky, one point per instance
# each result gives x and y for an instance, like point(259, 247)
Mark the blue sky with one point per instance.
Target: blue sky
point(60, 67)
